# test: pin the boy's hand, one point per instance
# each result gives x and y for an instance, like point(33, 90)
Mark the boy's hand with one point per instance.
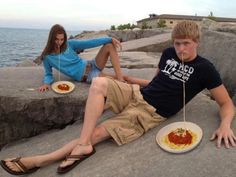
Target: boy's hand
point(226, 135)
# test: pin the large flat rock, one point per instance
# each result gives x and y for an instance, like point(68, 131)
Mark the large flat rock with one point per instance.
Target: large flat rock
point(140, 158)
point(131, 60)
point(24, 112)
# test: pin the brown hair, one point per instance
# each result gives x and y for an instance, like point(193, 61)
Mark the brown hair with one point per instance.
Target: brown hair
point(55, 29)
point(186, 29)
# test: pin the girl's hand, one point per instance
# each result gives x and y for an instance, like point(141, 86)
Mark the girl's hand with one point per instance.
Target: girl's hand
point(116, 43)
point(43, 88)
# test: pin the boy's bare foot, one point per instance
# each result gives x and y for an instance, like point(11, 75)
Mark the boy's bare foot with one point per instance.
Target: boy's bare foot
point(20, 166)
point(28, 162)
point(78, 150)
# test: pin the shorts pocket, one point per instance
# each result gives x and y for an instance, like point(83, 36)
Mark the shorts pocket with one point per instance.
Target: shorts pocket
point(128, 134)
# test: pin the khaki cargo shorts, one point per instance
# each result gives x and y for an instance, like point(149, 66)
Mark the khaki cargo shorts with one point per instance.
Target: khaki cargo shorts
point(134, 115)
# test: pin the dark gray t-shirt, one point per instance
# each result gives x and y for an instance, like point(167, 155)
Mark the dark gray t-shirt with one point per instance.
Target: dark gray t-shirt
point(165, 91)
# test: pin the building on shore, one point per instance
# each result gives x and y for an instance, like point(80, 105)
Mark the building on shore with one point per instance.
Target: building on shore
point(170, 20)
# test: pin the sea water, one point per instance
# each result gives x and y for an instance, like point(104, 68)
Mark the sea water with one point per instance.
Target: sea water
point(20, 44)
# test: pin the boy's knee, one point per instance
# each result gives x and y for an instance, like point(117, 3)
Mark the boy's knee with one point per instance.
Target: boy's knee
point(99, 84)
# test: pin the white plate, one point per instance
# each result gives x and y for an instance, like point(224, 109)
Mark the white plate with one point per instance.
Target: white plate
point(186, 125)
point(57, 90)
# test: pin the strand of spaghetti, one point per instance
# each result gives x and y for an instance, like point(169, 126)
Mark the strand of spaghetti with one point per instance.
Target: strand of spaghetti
point(59, 66)
point(184, 109)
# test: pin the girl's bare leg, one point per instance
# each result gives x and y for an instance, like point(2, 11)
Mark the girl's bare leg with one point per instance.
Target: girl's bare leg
point(105, 52)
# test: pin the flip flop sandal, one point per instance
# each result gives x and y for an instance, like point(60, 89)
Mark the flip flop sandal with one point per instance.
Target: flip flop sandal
point(20, 166)
point(77, 159)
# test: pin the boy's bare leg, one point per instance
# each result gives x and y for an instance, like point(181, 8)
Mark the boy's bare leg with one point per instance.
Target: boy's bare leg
point(99, 134)
point(93, 110)
point(89, 135)
point(42, 160)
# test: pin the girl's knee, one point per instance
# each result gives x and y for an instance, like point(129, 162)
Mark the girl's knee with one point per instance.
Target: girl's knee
point(109, 46)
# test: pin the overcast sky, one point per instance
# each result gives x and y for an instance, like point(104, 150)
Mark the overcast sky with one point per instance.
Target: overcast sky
point(101, 14)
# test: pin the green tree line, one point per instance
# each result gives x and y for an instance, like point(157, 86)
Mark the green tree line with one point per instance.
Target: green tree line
point(123, 26)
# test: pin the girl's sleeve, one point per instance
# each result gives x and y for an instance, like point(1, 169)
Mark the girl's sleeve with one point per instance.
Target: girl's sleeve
point(90, 43)
point(48, 78)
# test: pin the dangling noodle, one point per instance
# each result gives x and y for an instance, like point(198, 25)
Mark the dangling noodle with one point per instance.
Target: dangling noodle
point(184, 110)
point(59, 75)
point(176, 138)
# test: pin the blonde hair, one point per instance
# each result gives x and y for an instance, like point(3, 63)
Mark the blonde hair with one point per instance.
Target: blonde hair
point(186, 29)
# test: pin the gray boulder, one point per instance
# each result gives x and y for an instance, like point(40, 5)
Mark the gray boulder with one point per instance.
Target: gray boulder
point(211, 25)
point(24, 112)
point(142, 157)
point(219, 48)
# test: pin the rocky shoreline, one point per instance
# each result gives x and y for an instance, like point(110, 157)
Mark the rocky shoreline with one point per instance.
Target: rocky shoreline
point(46, 111)
point(25, 113)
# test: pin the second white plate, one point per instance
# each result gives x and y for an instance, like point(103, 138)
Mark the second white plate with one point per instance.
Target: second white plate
point(185, 125)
